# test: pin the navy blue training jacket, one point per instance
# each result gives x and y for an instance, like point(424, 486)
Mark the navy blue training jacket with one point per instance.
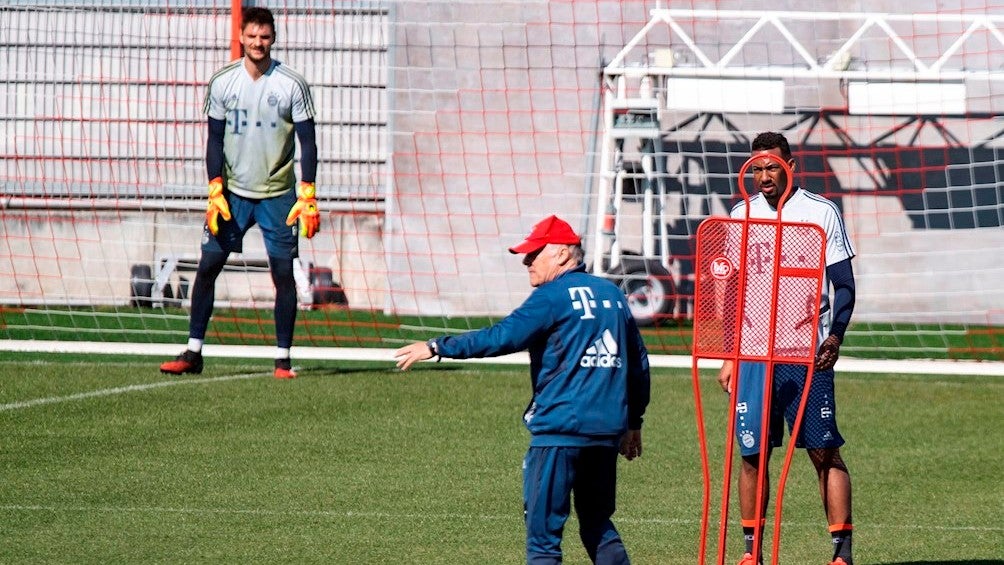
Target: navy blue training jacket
point(588, 364)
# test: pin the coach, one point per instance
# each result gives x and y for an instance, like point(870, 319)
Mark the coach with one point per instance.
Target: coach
point(590, 375)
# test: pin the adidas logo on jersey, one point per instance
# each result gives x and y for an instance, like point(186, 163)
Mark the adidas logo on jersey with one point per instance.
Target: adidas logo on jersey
point(602, 353)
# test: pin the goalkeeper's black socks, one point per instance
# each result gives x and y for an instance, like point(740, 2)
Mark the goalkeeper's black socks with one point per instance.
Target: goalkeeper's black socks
point(285, 300)
point(841, 537)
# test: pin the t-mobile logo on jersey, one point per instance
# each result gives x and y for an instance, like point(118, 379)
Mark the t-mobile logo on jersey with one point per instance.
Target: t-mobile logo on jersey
point(760, 257)
point(760, 254)
point(582, 299)
point(237, 121)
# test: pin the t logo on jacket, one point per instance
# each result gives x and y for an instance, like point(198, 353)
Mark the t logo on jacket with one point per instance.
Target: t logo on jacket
point(582, 299)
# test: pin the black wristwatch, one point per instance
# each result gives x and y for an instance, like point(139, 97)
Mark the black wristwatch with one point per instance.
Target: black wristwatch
point(434, 349)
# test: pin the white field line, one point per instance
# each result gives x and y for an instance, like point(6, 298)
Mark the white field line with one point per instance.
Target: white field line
point(122, 390)
point(845, 364)
point(514, 517)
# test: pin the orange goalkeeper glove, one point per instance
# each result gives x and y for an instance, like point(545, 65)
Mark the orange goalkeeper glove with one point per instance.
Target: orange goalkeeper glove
point(217, 206)
point(306, 210)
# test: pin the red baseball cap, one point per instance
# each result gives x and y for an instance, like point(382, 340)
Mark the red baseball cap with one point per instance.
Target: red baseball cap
point(551, 229)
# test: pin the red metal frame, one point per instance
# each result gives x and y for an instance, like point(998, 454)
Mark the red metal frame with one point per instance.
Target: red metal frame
point(736, 355)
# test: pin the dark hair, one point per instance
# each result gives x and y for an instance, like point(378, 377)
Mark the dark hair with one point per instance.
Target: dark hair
point(260, 16)
point(771, 140)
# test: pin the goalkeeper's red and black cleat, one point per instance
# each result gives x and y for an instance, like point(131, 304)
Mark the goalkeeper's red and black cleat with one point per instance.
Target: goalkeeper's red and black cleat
point(284, 369)
point(187, 362)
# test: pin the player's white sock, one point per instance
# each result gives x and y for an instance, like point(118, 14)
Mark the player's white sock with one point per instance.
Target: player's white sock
point(194, 344)
point(282, 353)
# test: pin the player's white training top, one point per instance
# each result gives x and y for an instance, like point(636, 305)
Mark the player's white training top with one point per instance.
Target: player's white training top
point(259, 143)
point(806, 207)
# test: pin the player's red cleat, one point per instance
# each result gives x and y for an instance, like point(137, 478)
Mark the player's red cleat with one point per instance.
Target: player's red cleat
point(187, 362)
point(284, 369)
point(838, 561)
point(748, 560)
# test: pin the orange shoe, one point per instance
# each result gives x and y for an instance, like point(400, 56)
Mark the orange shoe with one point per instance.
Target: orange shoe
point(838, 561)
point(748, 560)
point(187, 362)
point(284, 369)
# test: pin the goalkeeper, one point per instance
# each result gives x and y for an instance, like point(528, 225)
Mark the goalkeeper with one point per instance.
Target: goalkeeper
point(254, 106)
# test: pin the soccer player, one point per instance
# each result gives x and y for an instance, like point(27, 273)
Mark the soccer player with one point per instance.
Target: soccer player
point(590, 376)
point(818, 434)
point(254, 105)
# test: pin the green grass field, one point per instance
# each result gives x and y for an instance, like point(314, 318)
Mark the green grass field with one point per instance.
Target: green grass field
point(104, 460)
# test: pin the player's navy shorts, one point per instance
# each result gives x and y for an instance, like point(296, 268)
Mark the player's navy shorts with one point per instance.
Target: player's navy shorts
point(819, 424)
point(270, 215)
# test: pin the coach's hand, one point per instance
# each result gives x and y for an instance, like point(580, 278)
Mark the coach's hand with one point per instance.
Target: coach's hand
point(217, 206)
point(631, 444)
point(306, 210)
point(829, 352)
point(411, 354)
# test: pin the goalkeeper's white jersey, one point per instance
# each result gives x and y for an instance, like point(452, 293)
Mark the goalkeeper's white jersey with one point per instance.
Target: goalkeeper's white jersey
point(259, 143)
point(806, 207)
